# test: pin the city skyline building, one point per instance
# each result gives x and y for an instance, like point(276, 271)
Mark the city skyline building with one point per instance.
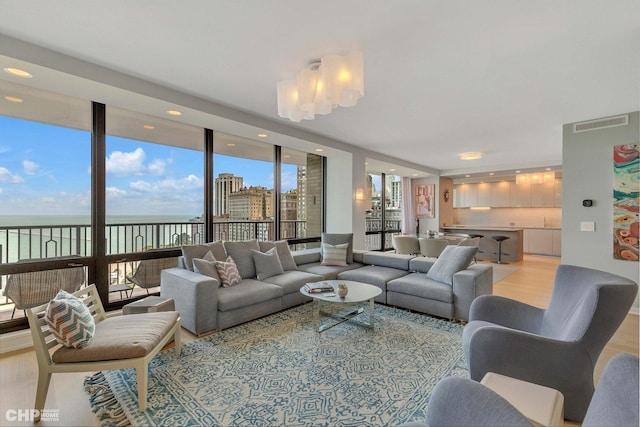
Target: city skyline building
point(225, 185)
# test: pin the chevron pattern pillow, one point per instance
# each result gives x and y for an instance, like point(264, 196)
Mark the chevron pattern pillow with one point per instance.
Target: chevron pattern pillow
point(70, 320)
point(228, 272)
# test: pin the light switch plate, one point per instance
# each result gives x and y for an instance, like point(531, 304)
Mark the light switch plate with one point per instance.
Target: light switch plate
point(587, 226)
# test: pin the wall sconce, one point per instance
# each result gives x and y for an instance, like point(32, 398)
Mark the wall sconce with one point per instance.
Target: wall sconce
point(446, 195)
point(360, 194)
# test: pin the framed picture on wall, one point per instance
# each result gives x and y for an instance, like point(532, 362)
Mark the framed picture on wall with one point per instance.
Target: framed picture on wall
point(425, 200)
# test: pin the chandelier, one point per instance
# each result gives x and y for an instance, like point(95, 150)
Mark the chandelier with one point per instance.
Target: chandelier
point(321, 87)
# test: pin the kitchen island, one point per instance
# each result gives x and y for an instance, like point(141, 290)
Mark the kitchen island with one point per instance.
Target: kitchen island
point(488, 250)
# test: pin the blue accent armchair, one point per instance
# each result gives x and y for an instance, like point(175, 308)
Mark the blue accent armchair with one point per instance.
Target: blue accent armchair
point(557, 347)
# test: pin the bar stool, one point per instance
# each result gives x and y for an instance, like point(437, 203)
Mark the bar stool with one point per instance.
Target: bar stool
point(500, 239)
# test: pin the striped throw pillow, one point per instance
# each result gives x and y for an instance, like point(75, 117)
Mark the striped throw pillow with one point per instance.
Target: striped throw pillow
point(70, 320)
point(334, 254)
point(228, 272)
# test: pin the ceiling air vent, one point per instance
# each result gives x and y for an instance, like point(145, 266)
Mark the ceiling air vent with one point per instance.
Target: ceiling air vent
point(607, 122)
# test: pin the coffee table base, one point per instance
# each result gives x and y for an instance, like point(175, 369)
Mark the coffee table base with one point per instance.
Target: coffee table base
point(341, 318)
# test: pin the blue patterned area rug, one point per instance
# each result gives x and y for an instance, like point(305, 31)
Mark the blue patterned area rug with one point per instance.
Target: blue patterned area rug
point(278, 371)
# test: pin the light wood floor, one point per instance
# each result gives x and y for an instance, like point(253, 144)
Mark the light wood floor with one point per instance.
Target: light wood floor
point(532, 283)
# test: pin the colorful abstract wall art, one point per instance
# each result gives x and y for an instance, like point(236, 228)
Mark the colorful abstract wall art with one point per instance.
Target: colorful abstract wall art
point(626, 202)
point(425, 200)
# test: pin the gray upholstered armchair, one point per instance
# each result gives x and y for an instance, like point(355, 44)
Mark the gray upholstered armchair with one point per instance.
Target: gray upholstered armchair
point(557, 347)
point(463, 402)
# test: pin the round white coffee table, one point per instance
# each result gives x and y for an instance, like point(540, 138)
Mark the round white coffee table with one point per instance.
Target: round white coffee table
point(358, 293)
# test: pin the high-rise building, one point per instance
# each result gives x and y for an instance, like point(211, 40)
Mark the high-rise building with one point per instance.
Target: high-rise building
point(396, 194)
point(226, 184)
point(302, 193)
point(251, 204)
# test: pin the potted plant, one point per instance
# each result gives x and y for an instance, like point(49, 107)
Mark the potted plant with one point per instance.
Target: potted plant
point(343, 290)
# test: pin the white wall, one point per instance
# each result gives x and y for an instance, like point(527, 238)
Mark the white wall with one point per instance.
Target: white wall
point(340, 190)
point(587, 173)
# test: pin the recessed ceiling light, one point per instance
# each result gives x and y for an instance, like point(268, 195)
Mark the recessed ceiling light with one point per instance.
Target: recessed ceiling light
point(262, 135)
point(392, 170)
point(467, 176)
point(13, 99)
point(286, 156)
point(491, 173)
point(149, 127)
point(415, 174)
point(517, 171)
point(366, 163)
point(18, 72)
point(319, 150)
point(548, 169)
point(174, 112)
point(471, 155)
point(231, 144)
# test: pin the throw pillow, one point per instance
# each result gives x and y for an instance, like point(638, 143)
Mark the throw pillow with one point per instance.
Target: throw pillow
point(284, 253)
point(190, 252)
point(267, 263)
point(339, 239)
point(207, 266)
point(241, 254)
point(70, 320)
point(334, 254)
point(453, 259)
point(228, 272)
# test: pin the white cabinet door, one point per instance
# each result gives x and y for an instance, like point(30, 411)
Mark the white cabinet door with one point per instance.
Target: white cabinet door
point(484, 194)
point(521, 196)
point(470, 195)
point(458, 195)
point(543, 195)
point(501, 194)
point(557, 243)
point(540, 241)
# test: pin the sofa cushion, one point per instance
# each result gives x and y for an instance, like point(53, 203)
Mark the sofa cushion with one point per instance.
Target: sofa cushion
point(421, 264)
point(247, 292)
point(267, 263)
point(339, 239)
point(284, 253)
point(292, 281)
point(451, 260)
point(242, 255)
point(228, 272)
point(373, 275)
point(334, 254)
point(70, 320)
point(207, 266)
point(387, 260)
point(307, 256)
point(420, 286)
point(329, 272)
point(190, 252)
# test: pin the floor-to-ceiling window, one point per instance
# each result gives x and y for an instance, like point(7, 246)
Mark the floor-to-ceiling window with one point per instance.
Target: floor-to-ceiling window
point(45, 196)
point(383, 198)
point(154, 196)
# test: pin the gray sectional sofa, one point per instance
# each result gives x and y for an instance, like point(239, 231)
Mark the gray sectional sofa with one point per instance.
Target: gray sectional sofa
point(205, 305)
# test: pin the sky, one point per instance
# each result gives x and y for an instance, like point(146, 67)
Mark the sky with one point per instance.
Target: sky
point(46, 170)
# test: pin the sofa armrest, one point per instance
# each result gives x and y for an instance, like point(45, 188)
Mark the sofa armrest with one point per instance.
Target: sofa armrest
point(195, 296)
point(469, 284)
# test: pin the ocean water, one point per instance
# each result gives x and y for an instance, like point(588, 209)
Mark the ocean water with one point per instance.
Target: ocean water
point(46, 236)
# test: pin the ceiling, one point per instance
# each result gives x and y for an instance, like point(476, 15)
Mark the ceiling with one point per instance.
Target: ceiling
point(441, 77)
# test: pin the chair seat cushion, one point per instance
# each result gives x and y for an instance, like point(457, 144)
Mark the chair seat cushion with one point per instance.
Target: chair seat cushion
point(121, 337)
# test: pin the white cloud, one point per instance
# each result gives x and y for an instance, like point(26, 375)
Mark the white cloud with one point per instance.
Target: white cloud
point(289, 181)
point(115, 192)
point(29, 167)
point(168, 185)
point(157, 167)
point(119, 163)
point(7, 177)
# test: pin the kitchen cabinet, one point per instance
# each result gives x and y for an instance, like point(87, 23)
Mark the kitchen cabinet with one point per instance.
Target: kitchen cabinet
point(501, 194)
point(543, 195)
point(520, 195)
point(471, 196)
point(542, 241)
point(484, 194)
point(458, 195)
